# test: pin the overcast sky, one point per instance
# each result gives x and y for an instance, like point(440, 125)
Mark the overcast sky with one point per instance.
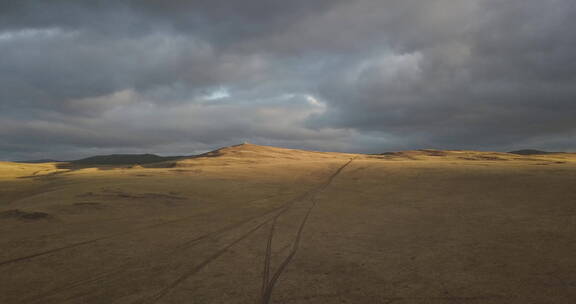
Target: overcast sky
point(85, 77)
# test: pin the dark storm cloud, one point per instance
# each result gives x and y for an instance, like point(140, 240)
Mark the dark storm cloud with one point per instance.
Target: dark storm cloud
point(219, 21)
point(83, 77)
point(503, 79)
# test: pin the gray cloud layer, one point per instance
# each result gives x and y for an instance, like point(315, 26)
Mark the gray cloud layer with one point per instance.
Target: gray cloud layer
point(86, 77)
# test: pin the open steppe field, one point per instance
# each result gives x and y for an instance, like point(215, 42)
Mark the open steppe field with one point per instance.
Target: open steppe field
point(254, 224)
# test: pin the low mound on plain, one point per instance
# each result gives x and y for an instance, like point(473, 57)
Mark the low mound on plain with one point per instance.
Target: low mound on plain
point(250, 153)
point(258, 151)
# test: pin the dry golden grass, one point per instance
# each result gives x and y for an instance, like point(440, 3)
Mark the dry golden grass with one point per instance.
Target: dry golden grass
point(254, 224)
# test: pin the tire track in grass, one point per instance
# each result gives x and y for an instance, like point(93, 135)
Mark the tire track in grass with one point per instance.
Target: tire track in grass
point(165, 291)
point(189, 244)
point(107, 237)
point(267, 292)
point(267, 258)
point(194, 242)
point(269, 283)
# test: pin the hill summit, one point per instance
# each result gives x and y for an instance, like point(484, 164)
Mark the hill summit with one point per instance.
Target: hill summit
point(247, 150)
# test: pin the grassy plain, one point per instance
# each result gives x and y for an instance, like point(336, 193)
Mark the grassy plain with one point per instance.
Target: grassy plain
point(255, 224)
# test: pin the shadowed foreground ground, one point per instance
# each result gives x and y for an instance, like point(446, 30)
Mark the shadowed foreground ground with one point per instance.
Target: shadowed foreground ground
point(252, 224)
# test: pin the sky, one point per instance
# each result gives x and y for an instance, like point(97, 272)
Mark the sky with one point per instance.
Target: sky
point(88, 77)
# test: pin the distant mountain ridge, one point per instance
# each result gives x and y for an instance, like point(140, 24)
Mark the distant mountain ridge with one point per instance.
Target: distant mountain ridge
point(124, 159)
point(531, 152)
point(39, 161)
